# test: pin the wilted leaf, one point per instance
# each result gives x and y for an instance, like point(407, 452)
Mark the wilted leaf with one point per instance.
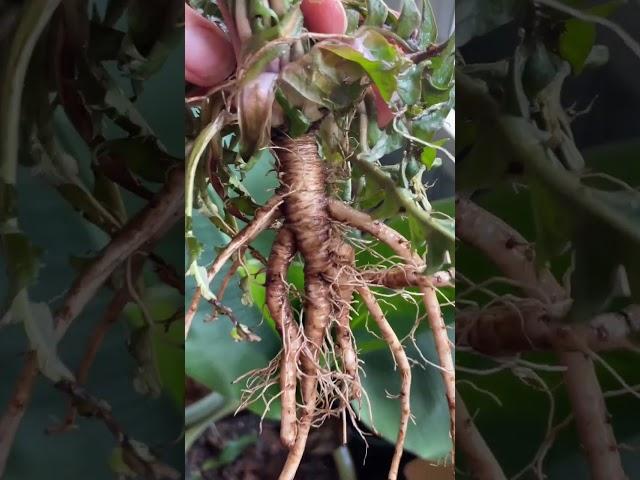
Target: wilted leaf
point(325, 79)
point(255, 104)
point(38, 323)
point(242, 333)
point(377, 57)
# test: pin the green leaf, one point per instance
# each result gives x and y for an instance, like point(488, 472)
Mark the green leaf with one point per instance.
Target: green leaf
point(409, 19)
point(428, 25)
point(410, 84)
point(428, 437)
point(162, 354)
point(231, 451)
point(298, 122)
point(429, 122)
point(377, 12)
point(379, 58)
point(428, 158)
point(578, 38)
point(219, 367)
point(442, 69)
point(576, 43)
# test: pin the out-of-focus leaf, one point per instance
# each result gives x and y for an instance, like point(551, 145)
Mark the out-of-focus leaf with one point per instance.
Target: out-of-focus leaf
point(428, 25)
point(105, 96)
point(353, 20)
point(22, 262)
point(409, 19)
point(576, 43)
point(410, 84)
point(38, 323)
point(147, 377)
point(553, 225)
point(166, 366)
point(115, 9)
point(475, 18)
point(149, 27)
point(231, 451)
point(143, 156)
point(377, 12)
point(578, 38)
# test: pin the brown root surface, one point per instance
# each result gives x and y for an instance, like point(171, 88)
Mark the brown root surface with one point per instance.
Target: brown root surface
point(402, 362)
point(402, 247)
point(305, 211)
point(318, 367)
point(277, 297)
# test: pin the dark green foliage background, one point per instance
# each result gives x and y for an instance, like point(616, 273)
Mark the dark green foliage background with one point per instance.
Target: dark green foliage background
point(608, 138)
point(61, 232)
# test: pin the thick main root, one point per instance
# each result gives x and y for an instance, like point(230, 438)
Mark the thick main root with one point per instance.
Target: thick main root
point(318, 365)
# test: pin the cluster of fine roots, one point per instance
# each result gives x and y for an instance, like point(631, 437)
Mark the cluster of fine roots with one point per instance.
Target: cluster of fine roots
point(317, 368)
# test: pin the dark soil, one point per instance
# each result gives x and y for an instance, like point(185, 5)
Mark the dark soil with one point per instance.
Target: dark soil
point(263, 458)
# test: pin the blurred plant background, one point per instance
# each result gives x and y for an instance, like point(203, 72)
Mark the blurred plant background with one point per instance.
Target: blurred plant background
point(536, 61)
point(104, 85)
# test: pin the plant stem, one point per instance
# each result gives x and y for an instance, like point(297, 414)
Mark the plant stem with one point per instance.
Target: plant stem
point(35, 17)
point(583, 388)
point(403, 199)
point(204, 408)
point(482, 462)
point(344, 463)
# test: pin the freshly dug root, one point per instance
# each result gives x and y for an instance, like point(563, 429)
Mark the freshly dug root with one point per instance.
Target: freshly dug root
point(297, 450)
point(277, 296)
point(264, 217)
point(345, 259)
point(306, 216)
point(401, 246)
point(403, 277)
point(318, 362)
point(401, 360)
